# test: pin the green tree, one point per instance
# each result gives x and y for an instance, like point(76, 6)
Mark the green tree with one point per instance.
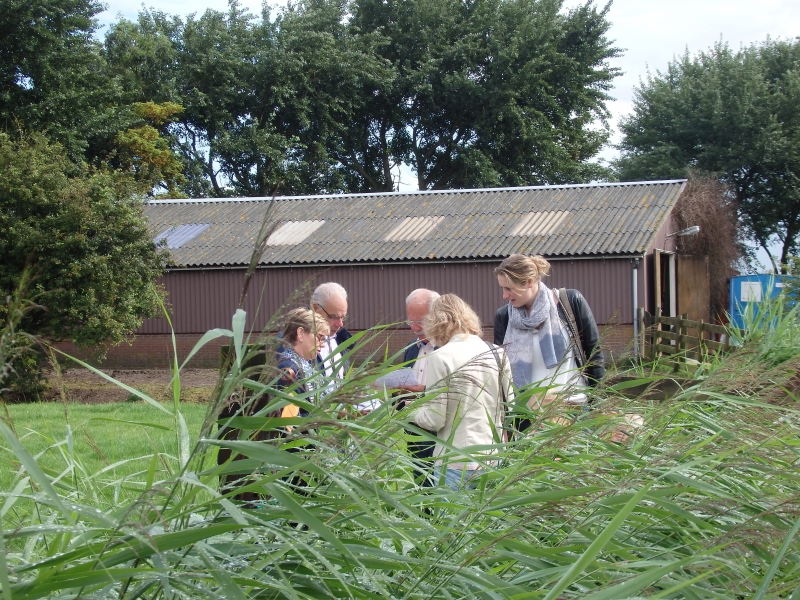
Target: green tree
point(736, 114)
point(261, 96)
point(487, 93)
point(51, 71)
point(83, 234)
point(791, 285)
point(333, 96)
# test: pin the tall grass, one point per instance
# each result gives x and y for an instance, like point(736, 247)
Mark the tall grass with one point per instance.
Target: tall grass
point(703, 502)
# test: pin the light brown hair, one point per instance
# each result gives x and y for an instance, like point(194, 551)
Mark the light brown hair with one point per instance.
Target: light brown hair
point(518, 269)
point(450, 315)
point(307, 319)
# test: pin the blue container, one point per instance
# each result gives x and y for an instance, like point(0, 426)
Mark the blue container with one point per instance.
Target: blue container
point(748, 292)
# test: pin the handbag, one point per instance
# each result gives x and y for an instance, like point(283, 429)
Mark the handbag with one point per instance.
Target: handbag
point(580, 355)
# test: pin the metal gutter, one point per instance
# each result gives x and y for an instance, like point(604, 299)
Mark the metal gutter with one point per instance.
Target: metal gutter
point(395, 263)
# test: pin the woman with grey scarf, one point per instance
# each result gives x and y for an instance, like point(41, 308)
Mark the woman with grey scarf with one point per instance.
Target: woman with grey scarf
point(545, 344)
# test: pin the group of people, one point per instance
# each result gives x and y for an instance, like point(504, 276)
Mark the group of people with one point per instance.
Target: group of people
point(462, 384)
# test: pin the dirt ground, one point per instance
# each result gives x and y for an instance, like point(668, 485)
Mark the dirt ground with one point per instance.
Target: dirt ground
point(81, 385)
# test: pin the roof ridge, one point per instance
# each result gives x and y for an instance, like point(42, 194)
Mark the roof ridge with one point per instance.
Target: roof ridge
point(249, 199)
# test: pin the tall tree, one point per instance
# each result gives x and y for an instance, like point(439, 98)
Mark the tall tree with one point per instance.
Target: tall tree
point(93, 260)
point(488, 92)
point(736, 114)
point(51, 71)
point(261, 96)
point(334, 95)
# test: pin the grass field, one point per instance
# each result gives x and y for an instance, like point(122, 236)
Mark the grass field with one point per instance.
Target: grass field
point(113, 444)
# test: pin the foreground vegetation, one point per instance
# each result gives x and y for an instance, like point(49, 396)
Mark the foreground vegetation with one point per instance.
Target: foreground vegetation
point(702, 502)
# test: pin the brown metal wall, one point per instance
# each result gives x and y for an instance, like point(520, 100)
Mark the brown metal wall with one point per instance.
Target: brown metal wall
point(203, 300)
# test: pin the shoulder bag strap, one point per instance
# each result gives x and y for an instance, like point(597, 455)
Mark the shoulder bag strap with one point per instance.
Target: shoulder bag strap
point(573, 326)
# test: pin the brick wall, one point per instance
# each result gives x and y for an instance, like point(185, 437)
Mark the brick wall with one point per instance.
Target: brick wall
point(154, 351)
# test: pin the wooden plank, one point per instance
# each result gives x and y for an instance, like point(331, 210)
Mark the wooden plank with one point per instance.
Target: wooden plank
point(719, 329)
point(657, 281)
point(667, 349)
point(671, 321)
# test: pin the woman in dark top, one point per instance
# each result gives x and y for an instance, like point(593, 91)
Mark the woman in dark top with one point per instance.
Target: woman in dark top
point(551, 338)
point(304, 334)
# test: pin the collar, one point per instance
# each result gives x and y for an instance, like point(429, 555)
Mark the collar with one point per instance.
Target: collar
point(459, 337)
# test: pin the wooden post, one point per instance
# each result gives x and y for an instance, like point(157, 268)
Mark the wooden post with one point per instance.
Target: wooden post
point(702, 350)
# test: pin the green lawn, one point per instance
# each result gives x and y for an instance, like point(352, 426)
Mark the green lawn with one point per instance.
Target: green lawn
point(112, 443)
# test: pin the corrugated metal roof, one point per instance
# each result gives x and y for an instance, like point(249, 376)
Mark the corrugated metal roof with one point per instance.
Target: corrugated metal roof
point(570, 220)
point(293, 232)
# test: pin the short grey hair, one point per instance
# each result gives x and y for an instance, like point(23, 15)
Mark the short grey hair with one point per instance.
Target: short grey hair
point(422, 295)
point(326, 291)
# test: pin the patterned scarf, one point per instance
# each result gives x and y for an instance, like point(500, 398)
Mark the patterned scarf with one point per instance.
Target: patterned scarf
point(308, 375)
point(522, 328)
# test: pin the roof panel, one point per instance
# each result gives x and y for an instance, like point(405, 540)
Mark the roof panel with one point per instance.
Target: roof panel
point(553, 221)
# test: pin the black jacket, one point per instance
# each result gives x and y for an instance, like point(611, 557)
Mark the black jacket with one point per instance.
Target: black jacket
point(587, 330)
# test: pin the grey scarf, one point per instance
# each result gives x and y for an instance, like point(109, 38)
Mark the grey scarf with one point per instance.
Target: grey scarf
point(522, 328)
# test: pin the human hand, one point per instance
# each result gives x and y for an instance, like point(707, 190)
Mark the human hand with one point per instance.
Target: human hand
point(413, 388)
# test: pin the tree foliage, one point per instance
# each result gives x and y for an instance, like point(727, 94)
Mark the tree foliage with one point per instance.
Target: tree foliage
point(736, 114)
point(83, 234)
point(488, 93)
point(333, 96)
point(54, 79)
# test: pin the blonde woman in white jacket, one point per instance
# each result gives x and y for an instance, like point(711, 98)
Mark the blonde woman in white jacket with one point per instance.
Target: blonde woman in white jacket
point(472, 382)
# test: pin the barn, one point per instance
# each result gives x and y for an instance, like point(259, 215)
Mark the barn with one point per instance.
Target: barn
point(613, 241)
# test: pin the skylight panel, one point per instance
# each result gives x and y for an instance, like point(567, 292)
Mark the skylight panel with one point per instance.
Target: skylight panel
point(540, 223)
point(413, 228)
point(293, 232)
point(177, 235)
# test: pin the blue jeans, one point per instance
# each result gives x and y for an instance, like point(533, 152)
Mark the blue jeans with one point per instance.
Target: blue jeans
point(456, 479)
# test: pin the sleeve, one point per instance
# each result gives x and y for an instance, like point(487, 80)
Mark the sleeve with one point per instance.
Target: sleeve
point(590, 337)
point(500, 325)
point(431, 415)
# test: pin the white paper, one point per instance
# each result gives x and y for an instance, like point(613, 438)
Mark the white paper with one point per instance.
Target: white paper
point(397, 379)
point(368, 405)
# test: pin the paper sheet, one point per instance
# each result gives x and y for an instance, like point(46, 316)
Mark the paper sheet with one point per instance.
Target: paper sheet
point(397, 379)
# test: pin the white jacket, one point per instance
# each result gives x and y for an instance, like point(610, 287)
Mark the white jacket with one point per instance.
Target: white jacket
point(468, 409)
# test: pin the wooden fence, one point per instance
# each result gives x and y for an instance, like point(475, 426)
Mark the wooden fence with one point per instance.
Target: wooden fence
point(683, 342)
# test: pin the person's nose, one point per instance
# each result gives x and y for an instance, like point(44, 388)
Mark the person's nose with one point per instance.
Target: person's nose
point(506, 295)
point(415, 328)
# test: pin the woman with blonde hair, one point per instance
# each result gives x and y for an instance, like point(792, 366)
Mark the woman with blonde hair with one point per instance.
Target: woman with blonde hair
point(550, 336)
point(472, 382)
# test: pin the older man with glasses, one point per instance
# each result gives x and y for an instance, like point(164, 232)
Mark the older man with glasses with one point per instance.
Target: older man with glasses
point(329, 300)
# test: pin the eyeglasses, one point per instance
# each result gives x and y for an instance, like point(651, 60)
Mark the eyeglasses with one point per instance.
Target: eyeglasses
point(321, 337)
point(417, 323)
point(341, 318)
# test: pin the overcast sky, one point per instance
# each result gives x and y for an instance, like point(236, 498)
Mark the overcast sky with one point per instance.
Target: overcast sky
point(650, 33)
